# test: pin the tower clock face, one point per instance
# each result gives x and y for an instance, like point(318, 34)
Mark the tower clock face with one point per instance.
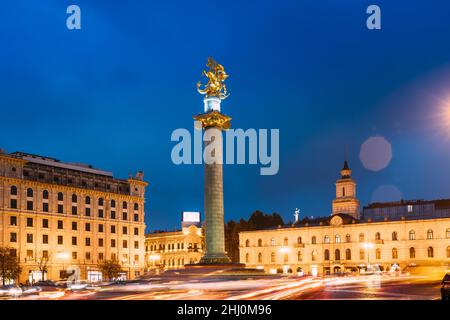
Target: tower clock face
point(336, 221)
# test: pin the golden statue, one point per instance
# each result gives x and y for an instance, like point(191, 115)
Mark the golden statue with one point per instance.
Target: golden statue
point(216, 76)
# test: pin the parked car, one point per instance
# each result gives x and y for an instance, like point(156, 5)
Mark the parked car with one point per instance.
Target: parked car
point(10, 291)
point(445, 287)
point(48, 286)
point(30, 290)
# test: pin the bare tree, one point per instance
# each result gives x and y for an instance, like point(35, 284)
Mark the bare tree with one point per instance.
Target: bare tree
point(9, 265)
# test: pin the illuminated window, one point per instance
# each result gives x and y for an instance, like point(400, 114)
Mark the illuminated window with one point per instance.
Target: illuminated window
point(337, 239)
point(326, 239)
point(412, 235)
point(430, 234)
point(286, 241)
point(361, 254)
point(299, 240)
point(272, 257)
point(286, 258)
point(447, 234)
point(348, 238)
point(394, 236)
point(410, 208)
point(313, 255)
point(272, 242)
point(378, 254)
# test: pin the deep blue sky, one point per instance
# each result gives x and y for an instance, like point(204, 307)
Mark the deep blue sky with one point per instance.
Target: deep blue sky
point(111, 94)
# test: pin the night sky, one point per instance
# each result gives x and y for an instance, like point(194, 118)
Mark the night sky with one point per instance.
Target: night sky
point(112, 93)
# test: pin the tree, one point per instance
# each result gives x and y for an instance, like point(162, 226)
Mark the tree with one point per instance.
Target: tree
point(110, 269)
point(9, 265)
point(43, 265)
point(258, 220)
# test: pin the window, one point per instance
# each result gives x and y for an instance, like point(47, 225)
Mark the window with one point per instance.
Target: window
point(247, 258)
point(87, 227)
point(247, 243)
point(136, 207)
point(299, 256)
point(88, 255)
point(87, 200)
point(348, 238)
point(60, 208)
point(286, 241)
point(447, 234)
point(337, 255)
point(377, 236)
point(124, 230)
point(412, 235)
point(45, 254)
point(74, 210)
point(45, 238)
point(74, 255)
point(29, 222)
point(60, 196)
point(136, 217)
point(377, 254)
point(348, 254)
point(394, 236)
point(100, 227)
point(113, 214)
point(136, 231)
point(361, 254)
point(343, 192)
point(448, 252)
point(124, 216)
point(272, 257)
point(100, 256)
point(45, 194)
point(313, 255)
point(286, 258)
point(410, 208)
point(313, 240)
point(45, 207)
point(100, 202)
point(87, 212)
point(74, 241)
point(100, 213)
point(13, 221)
point(74, 198)
point(299, 240)
point(60, 240)
point(13, 237)
point(100, 242)
point(113, 243)
point(13, 191)
point(430, 234)
point(29, 193)
point(326, 255)
point(260, 257)
point(326, 239)
point(394, 253)
point(29, 238)
point(44, 223)
point(87, 242)
point(337, 238)
point(430, 252)
point(361, 237)
point(60, 224)
point(74, 226)
point(136, 244)
point(13, 203)
point(412, 253)
point(272, 242)
point(113, 229)
point(124, 205)
point(30, 254)
point(30, 205)
point(113, 203)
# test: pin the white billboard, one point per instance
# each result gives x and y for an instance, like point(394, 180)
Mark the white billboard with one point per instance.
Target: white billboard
point(189, 216)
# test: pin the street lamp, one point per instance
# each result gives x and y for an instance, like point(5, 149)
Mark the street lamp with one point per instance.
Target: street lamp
point(367, 246)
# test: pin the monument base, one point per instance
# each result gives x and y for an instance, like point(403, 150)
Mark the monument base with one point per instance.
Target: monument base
point(215, 259)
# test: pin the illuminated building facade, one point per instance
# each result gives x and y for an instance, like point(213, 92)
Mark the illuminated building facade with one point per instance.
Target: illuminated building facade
point(174, 250)
point(345, 243)
point(59, 217)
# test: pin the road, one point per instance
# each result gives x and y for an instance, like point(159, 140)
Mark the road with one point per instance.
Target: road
point(403, 287)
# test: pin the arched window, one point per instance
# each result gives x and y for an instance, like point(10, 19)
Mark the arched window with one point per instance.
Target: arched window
point(247, 257)
point(272, 241)
point(430, 252)
point(348, 238)
point(74, 198)
point(113, 203)
point(13, 191)
point(260, 257)
point(361, 254)
point(88, 200)
point(337, 238)
point(430, 234)
point(286, 241)
point(378, 254)
point(326, 239)
point(60, 196)
point(313, 240)
point(300, 256)
point(394, 236)
point(348, 254)
point(286, 258)
point(247, 243)
point(299, 240)
point(29, 192)
point(361, 237)
point(124, 205)
point(412, 253)
point(100, 201)
point(448, 252)
point(337, 254)
point(412, 235)
point(259, 242)
point(272, 257)
point(394, 253)
point(136, 207)
point(45, 194)
point(447, 234)
point(326, 255)
point(377, 236)
point(313, 255)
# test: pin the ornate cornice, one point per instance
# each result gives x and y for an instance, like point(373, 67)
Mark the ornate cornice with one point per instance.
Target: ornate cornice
point(214, 119)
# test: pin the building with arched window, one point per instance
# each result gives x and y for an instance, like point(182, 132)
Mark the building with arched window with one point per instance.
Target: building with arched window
point(47, 216)
point(409, 241)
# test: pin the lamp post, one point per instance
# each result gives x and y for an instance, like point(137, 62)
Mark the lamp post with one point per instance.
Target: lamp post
point(367, 246)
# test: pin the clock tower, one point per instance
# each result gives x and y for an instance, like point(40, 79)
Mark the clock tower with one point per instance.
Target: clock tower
point(346, 201)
